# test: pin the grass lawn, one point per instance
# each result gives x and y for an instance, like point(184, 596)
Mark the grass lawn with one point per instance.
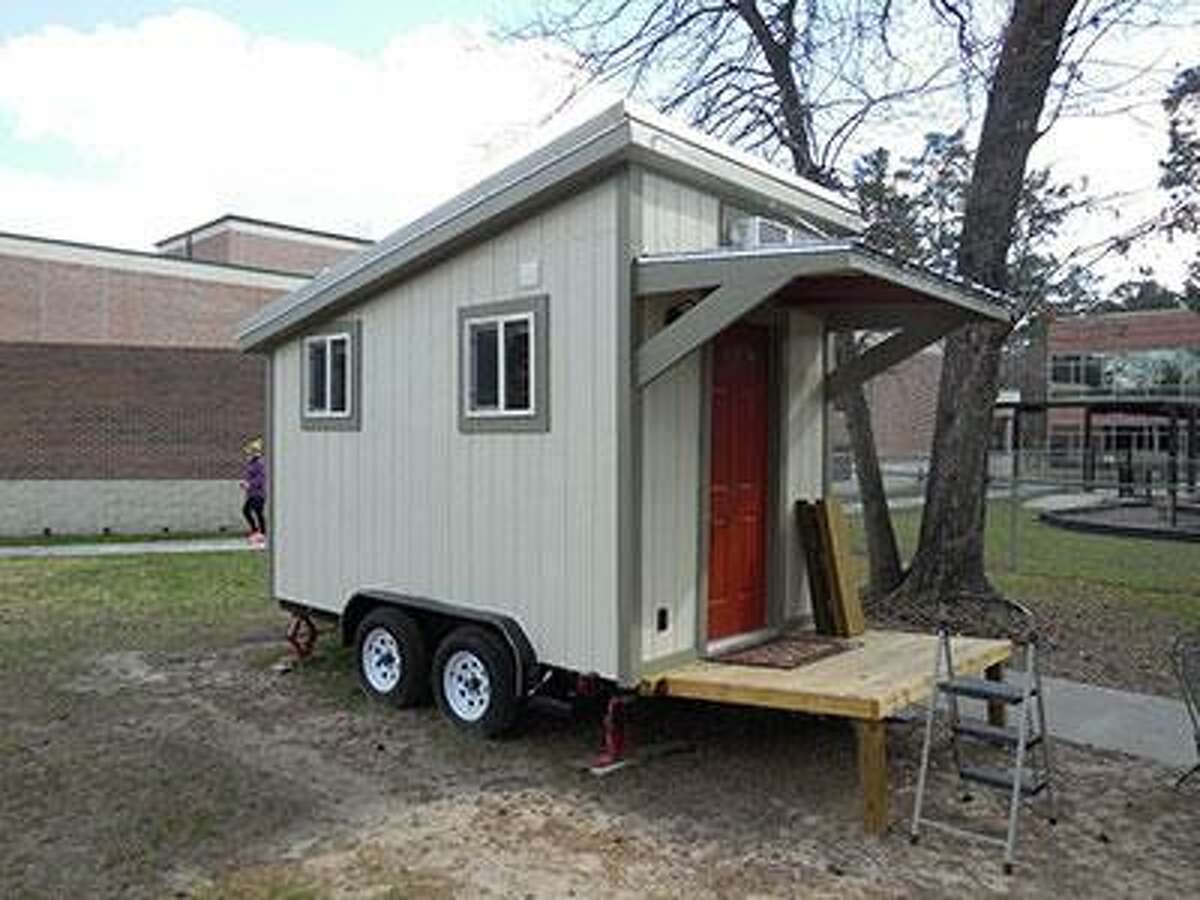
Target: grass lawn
point(52, 611)
point(1163, 573)
point(1109, 605)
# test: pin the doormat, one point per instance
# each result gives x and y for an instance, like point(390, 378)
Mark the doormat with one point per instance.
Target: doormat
point(787, 651)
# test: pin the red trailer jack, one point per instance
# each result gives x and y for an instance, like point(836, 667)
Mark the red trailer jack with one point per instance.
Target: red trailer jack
point(302, 635)
point(614, 746)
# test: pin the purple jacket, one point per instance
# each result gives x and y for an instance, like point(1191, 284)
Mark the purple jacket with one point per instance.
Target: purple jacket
point(256, 477)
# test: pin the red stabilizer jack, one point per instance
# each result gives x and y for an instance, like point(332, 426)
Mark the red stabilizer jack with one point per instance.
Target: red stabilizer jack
point(302, 635)
point(587, 684)
point(613, 746)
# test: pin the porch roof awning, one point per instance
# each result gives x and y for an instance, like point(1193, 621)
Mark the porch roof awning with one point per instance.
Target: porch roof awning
point(850, 285)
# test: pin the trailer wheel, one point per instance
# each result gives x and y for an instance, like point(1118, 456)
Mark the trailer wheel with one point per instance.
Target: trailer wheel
point(393, 663)
point(473, 681)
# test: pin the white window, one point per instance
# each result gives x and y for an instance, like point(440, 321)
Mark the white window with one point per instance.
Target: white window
point(500, 378)
point(328, 367)
point(503, 364)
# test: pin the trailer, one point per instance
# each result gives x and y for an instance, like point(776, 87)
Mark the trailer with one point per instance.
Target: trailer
point(559, 424)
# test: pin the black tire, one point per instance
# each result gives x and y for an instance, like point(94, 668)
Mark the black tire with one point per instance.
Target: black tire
point(487, 707)
point(382, 632)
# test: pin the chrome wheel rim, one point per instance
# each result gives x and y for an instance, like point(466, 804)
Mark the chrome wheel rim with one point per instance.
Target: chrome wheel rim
point(382, 663)
point(466, 686)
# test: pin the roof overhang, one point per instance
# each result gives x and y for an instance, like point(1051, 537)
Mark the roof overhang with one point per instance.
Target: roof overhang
point(625, 133)
point(851, 286)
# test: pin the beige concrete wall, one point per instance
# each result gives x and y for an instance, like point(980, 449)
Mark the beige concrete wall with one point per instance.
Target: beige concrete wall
point(130, 507)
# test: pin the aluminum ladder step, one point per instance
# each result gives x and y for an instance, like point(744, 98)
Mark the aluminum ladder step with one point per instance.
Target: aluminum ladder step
point(1022, 778)
point(984, 689)
point(996, 735)
point(1031, 784)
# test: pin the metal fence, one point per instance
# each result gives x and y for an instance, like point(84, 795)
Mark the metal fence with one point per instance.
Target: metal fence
point(1129, 494)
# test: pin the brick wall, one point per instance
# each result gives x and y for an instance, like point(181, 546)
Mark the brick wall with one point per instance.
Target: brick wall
point(1149, 330)
point(67, 303)
point(279, 254)
point(283, 255)
point(903, 402)
point(104, 412)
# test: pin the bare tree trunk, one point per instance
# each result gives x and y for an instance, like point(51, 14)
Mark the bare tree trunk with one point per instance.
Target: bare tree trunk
point(882, 555)
point(950, 553)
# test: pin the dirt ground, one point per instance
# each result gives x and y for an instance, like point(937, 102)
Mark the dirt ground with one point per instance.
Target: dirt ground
point(1091, 637)
point(209, 774)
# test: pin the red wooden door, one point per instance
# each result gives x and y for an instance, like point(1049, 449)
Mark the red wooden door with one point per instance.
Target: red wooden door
point(737, 571)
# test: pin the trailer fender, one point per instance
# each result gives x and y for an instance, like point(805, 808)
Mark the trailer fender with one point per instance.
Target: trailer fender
point(438, 617)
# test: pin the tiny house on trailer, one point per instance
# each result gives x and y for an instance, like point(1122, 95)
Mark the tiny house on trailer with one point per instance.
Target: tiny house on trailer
point(561, 421)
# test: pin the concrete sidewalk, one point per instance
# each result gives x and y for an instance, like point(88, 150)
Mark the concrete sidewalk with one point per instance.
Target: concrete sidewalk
point(214, 545)
point(1153, 728)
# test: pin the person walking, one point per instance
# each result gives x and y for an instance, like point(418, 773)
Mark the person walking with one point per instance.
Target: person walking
point(254, 486)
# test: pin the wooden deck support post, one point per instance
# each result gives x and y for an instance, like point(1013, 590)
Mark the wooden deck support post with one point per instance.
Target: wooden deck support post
point(879, 674)
point(997, 709)
point(871, 736)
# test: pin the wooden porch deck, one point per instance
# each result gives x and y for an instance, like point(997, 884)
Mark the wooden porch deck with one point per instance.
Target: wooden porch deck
point(884, 672)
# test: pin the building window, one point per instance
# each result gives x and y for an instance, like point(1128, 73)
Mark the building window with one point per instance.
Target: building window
point(1087, 370)
point(328, 358)
point(503, 366)
point(331, 378)
point(500, 365)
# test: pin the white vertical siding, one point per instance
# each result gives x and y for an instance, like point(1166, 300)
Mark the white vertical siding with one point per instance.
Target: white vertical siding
point(677, 217)
point(523, 523)
point(674, 217)
point(803, 433)
point(671, 509)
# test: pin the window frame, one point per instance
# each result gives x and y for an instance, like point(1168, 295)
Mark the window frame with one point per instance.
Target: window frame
point(327, 419)
point(328, 412)
point(534, 311)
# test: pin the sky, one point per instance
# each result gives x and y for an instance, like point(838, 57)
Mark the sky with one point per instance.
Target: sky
point(124, 122)
point(121, 123)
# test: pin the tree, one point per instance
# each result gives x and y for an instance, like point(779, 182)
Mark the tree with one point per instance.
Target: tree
point(949, 558)
point(914, 210)
point(1181, 169)
point(1139, 294)
point(802, 79)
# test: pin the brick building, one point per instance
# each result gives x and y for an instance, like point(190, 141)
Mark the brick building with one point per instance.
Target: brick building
point(1116, 381)
point(125, 402)
point(1126, 385)
point(903, 404)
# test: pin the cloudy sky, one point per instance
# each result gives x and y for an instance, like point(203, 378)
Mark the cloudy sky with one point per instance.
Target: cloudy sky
point(123, 121)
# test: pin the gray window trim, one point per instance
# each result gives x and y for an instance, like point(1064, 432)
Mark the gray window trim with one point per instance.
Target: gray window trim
point(539, 419)
point(352, 422)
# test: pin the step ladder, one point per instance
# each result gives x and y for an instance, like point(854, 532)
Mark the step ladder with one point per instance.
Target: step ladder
point(1028, 771)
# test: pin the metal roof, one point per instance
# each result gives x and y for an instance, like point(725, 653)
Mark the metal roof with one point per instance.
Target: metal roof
point(624, 132)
